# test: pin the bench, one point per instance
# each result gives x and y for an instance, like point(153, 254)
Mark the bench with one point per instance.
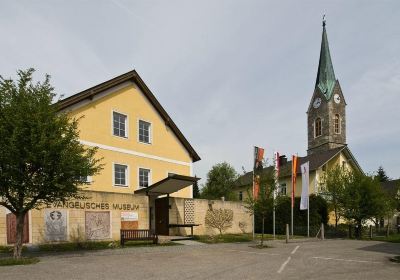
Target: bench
point(138, 235)
point(184, 225)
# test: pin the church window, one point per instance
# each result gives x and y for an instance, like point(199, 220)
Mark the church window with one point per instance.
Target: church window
point(318, 127)
point(337, 124)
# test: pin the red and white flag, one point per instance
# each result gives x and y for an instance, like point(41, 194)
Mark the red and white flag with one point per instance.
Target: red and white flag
point(277, 170)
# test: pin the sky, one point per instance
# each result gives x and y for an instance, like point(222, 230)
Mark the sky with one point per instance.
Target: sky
point(231, 74)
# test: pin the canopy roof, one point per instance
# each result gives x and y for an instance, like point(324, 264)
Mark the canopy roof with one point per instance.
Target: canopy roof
point(171, 184)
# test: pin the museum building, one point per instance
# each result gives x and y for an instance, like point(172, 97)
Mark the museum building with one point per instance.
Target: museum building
point(147, 178)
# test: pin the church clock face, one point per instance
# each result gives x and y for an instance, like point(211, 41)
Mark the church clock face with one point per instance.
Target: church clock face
point(317, 102)
point(336, 97)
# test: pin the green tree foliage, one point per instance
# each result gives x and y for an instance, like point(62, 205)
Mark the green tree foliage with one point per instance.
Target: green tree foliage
point(219, 182)
point(318, 215)
point(196, 190)
point(41, 158)
point(262, 204)
point(363, 199)
point(333, 184)
point(381, 175)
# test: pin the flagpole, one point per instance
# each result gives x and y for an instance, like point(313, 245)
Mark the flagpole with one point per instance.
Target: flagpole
point(291, 204)
point(308, 215)
point(254, 208)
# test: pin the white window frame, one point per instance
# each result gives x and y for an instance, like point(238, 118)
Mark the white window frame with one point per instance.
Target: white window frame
point(138, 177)
point(150, 132)
point(126, 124)
point(126, 178)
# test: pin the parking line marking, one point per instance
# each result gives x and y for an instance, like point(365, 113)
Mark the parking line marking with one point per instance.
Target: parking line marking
point(295, 249)
point(284, 264)
point(344, 260)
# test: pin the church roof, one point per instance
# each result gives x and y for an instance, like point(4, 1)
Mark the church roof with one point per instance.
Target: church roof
point(326, 76)
point(316, 161)
point(391, 187)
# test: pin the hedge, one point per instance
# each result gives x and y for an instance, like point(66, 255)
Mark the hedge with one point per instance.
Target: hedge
point(318, 215)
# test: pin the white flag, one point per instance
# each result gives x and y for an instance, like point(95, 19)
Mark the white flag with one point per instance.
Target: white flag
point(305, 173)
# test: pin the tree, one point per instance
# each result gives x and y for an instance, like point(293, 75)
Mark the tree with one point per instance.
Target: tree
point(333, 184)
point(262, 204)
point(363, 199)
point(381, 174)
point(41, 158)
point(196, 191)
point(220, 219)
point(219, 182)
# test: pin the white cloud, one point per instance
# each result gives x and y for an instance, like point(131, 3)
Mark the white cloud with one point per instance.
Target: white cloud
point(232, 74)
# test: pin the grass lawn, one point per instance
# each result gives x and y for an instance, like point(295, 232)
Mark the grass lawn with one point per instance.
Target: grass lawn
point(395, 238)
point(278, 236)
point(224, 238)
point(85, 246)
point(232, 238)
point(22, 261)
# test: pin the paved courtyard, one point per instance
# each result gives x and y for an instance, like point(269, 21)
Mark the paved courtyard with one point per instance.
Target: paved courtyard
point(331, 259)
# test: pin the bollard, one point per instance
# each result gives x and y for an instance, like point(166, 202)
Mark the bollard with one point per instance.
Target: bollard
point(322, 232)
point(287, 233)
point(370, 231)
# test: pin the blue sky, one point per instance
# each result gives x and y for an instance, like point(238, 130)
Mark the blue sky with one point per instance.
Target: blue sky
point(232, 74)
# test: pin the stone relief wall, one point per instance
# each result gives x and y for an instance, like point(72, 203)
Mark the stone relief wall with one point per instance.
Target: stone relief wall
point(97, 225)
point(56, 225)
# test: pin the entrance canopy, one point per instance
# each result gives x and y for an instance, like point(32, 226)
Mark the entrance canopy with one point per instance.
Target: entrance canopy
point(171, 184)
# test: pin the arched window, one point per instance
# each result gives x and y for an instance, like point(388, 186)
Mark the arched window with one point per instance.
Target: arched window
point(318, 127)
point(337, 124)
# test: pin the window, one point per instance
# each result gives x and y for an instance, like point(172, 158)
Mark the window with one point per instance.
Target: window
point(240, 196)
point(144, 177)
point(120, 175)
point(119, 125)
point(318, 127)
point(282, 189)
point(144, 132)
point(86, 179)
point(337, 124)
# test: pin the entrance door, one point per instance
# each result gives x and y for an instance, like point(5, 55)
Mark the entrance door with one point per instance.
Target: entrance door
point(162, 215)
point(12, 229)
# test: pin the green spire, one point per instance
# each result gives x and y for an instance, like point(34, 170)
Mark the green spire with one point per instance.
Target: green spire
point(326, 76)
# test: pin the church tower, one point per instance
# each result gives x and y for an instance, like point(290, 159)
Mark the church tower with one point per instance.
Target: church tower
point(326, 114)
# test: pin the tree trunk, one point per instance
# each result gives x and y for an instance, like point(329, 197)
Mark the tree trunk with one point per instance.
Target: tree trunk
point(359, 229)
point(262, 233)
point(20, 235)
point(336, 219)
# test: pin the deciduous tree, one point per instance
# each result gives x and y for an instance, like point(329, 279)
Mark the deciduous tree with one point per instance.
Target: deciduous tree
point(41, 158)
point(219, 182)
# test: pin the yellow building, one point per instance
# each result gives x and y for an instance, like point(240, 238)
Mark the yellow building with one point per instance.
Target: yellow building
point(145, 157)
